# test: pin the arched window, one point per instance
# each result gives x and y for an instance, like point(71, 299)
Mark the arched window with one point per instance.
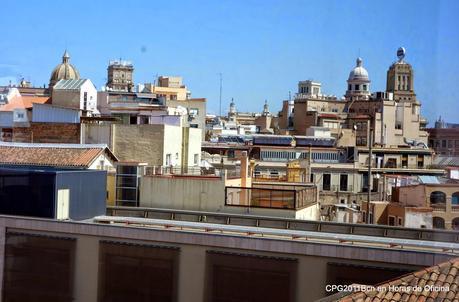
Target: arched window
point(438, 223)
point(437, 197)
point(455, 224)
point(455, 199)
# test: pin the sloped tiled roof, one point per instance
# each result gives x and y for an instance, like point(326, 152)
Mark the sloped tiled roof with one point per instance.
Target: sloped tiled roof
point(52, 155)
point(24, 102)
point(437, 283)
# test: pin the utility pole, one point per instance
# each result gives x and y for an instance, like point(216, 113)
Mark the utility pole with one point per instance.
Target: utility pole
point(370, 160)
point(221, 82)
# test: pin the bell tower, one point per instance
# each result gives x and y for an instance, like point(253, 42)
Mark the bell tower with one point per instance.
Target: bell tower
point(400, 79)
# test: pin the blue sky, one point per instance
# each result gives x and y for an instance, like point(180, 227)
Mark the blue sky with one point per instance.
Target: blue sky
point(263, 48)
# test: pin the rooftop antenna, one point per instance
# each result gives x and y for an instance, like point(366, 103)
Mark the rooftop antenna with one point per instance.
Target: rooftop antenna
point(289, 95)
point(221, 85)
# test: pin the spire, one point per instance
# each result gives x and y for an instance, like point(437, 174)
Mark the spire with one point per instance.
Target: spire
point(65, 57)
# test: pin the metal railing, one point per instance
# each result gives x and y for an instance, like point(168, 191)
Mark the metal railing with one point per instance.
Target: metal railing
point(190, 171)
point(286, 223)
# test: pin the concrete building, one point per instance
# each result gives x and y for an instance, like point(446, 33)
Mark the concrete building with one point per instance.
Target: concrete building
point(227, 191)
point(120, 76)
point(63, 156)
point(76, 93)
point(444, 138)
point(442, 198)
point(168, 88)
point(393, 115)
point(204, 257)
point(156, 145)
point(196, 112)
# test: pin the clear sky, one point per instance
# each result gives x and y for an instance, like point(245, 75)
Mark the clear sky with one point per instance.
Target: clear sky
point(263, 48)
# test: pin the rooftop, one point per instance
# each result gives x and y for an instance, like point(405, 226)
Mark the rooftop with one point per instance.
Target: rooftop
point(444, 277)
point(73, 84)
point(52, 155)
point(24, 102)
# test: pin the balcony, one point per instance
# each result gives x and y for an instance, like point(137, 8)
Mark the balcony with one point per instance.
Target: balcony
point(286, 199)
point(438, 207)
point(190, 171)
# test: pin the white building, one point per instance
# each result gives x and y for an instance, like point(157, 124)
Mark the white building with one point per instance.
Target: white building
point(76, 93)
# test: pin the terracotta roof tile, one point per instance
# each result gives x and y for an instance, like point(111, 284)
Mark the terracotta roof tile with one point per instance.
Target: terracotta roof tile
point(24, 102)
point(444, 276)
point(49, 156)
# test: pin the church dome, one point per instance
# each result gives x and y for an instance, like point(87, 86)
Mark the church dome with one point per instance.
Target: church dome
point(358, 73)
point(64, 71)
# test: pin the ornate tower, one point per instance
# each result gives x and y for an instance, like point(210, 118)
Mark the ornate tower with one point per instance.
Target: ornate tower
point(358, 83)
point(400, 79)
point(120, 75)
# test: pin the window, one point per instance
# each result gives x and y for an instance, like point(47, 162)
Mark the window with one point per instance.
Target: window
point(443, 143)
point(391, 220)
point(365, 87)
point(437, 197)
point(196, 159)
point(20, 115)
point(455, 199)
point(255, 278)
point(357, 87)
point(420, 161)
point(400, 222)
point(343, 182)
point(168, 159)
point(194, 111)
point(349, 87)
point(438, 223)
point(404, 160)
point(27, 257)
point(85, 101)
point(124, 267)
point(326, 182)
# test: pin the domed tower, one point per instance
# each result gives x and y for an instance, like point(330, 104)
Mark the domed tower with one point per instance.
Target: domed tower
point(358, 83)
point(63, 71)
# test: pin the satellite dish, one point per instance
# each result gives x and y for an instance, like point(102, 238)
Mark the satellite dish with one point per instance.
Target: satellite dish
point(401, 53)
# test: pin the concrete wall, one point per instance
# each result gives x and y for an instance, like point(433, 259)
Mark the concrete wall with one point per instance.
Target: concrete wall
point(66, 98)
point(183, 193)
point(147, 143)
point(142, 143)
point(195, 138)
point(418, 219)
point(97, 134)
point(172, 144)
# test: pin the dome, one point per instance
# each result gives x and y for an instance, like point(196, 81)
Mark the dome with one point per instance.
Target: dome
point(358, 73)
point(64, 71)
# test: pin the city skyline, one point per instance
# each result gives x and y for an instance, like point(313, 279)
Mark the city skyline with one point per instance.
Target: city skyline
point(263, 50)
